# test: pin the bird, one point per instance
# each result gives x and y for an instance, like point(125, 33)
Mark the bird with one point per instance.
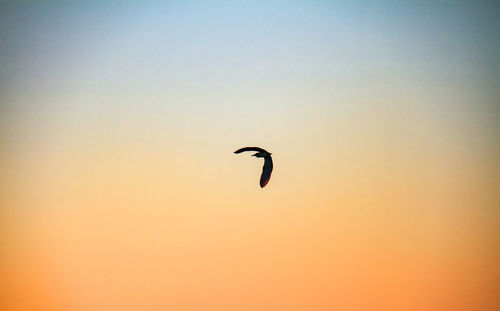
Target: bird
point(268, 163)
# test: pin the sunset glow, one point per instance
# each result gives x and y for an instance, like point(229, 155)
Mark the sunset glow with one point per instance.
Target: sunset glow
point(120, 189)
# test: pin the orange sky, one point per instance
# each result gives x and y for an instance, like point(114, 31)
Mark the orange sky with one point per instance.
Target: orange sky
point(120, 189)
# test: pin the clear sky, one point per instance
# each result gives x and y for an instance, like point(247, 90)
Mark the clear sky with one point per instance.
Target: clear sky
point(120, 189)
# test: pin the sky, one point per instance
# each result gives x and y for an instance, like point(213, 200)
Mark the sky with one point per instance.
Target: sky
point(120, 189)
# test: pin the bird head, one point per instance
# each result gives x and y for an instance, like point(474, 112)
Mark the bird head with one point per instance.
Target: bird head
point(261, 154)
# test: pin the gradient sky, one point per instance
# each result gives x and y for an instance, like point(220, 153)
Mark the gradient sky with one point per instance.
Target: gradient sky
point(120, 189)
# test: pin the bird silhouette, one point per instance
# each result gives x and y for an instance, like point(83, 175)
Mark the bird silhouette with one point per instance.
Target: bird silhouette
point(268, 163)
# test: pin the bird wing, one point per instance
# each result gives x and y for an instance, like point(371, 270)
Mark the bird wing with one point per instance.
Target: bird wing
point(250, 149)
point(266, 171)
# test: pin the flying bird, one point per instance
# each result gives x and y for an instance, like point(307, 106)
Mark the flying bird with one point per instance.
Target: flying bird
point(268, 163)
